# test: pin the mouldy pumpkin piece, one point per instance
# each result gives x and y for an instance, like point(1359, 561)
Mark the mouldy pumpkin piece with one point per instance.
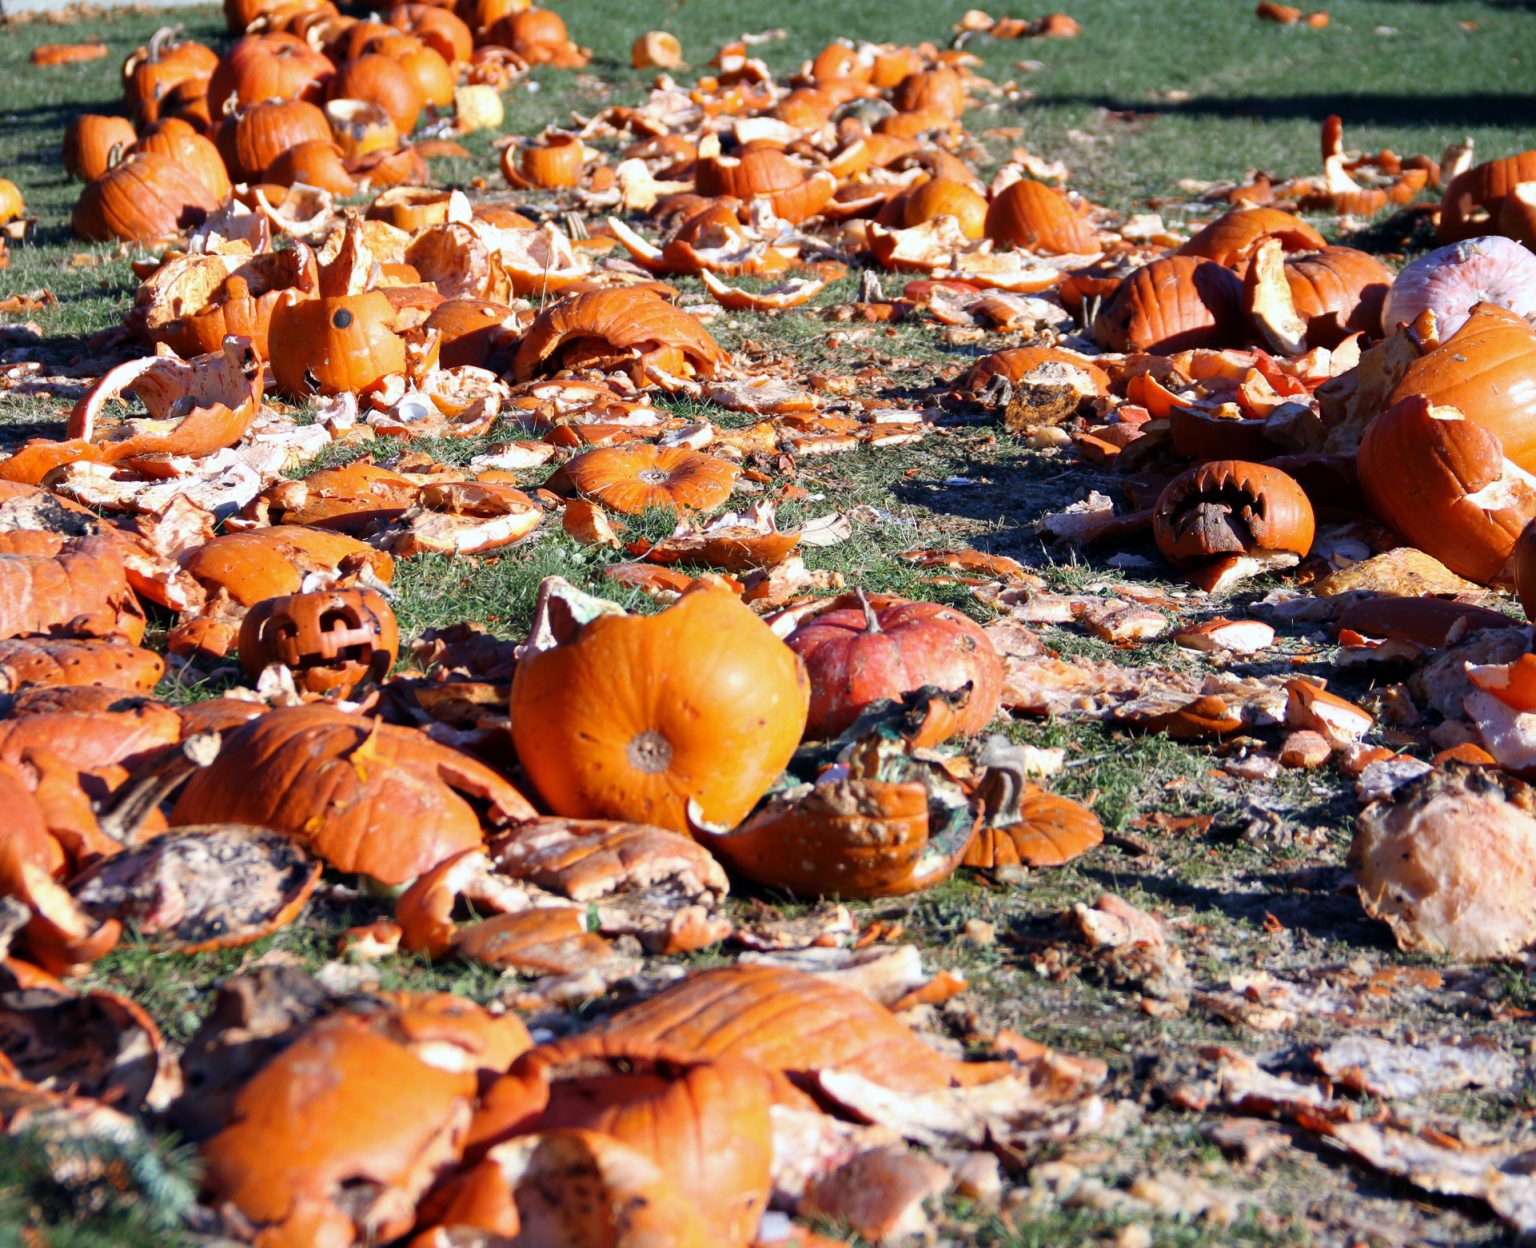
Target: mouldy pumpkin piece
point(365, 796)
point(655, 884)
point(1450, 864)
point(866, 649)
point(1445, 484)
point(96, 1044)
point(843, 838)
point(609, 725)
point(235, 884)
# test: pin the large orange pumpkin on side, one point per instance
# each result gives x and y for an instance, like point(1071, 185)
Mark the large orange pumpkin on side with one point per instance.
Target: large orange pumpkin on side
point(1176, 303)
point(639, 718)
point(1486, 370)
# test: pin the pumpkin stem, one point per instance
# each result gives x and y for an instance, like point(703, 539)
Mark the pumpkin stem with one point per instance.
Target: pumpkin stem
point(123, 819)
point(871, 621)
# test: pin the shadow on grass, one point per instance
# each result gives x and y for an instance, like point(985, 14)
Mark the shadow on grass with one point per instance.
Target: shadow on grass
point(1472, 109)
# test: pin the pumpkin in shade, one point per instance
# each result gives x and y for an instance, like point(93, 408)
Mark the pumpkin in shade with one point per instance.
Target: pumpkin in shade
point(93, 143)
point(268, 67)
point(1443, 482)
point(379, 80)
point(866, 649)
point(1038, 217)
point(1487, 371)
point(1475, 199)
point(142, 198)
point(1231, 239)
point(1314, 299)
point(343, 339)
point(173, 137)
point(1227, 509)
point(609, 724)
point(1176, 303)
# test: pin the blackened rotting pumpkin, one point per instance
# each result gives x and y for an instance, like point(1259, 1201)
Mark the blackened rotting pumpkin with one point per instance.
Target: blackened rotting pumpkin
point(233, 884)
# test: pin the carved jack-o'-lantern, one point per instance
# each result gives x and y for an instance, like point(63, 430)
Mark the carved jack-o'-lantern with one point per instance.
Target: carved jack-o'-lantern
point(328, 640)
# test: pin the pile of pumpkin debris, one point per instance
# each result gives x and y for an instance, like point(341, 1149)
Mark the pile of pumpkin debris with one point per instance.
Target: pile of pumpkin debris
point(570, 806)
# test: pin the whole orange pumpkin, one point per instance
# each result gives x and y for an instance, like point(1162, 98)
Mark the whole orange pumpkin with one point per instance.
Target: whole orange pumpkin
point(867, 649)
point(641, 717)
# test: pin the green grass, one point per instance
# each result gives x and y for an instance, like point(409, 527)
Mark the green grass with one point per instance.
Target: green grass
point(1148, 97)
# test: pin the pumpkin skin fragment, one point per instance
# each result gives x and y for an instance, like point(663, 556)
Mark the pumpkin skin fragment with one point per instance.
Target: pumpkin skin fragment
point(631, 479)
point(706, 1123)
point(1051, 831)
point(621, 324)
point(393, 1122)
point(365, 796)
point(1232, 239)
point(791, 1022)
point(860, 652)
point(637, 718)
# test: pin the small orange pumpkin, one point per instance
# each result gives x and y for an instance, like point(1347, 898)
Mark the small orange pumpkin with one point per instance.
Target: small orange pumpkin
point(631, 479)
